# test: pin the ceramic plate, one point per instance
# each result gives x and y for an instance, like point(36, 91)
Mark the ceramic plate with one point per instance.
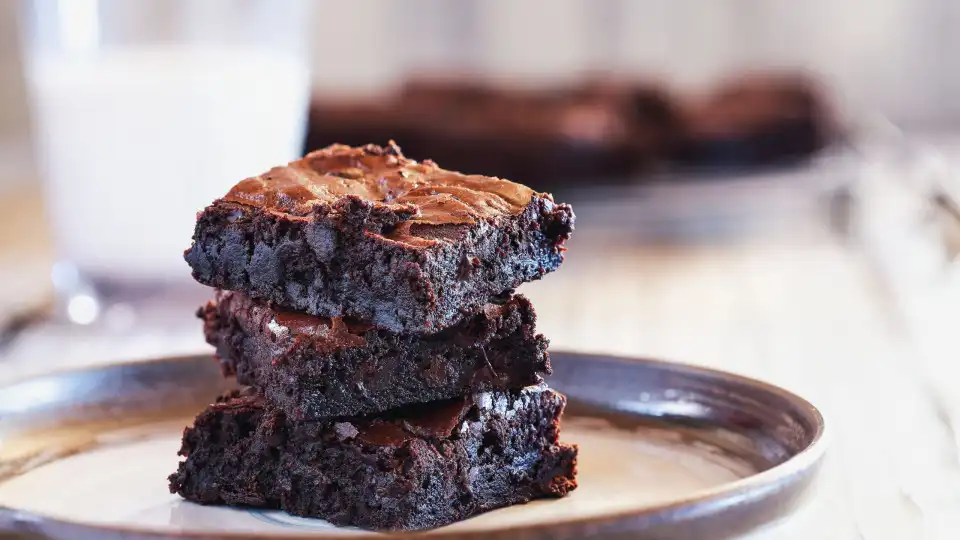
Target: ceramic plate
point(669, 450)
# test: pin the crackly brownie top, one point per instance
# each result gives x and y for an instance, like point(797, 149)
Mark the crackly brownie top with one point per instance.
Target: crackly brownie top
point(420, 192)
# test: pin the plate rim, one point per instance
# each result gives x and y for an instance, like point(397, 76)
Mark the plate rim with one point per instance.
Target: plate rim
point(804, 463)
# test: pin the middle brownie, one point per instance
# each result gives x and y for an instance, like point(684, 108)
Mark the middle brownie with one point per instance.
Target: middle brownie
point(318, 367)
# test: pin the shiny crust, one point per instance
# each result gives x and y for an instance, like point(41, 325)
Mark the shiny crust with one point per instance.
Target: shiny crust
point(404, 193)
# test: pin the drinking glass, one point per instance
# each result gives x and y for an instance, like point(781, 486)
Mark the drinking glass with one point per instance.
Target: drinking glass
point(143, 112)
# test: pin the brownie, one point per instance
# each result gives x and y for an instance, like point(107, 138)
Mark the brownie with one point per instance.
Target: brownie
point(370, 234)
point(546, 137)
point(757, 120)
point(315, 367)
point(412, 468)
point(541, 137)
point(649, 110)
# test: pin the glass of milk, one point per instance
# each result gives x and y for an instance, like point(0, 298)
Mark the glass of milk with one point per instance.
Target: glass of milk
point(144, 112)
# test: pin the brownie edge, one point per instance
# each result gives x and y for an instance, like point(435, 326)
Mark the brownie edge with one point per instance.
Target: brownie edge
point(410, 469)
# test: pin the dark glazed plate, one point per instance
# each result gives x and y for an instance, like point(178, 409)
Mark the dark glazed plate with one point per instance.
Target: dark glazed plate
point(667, 451)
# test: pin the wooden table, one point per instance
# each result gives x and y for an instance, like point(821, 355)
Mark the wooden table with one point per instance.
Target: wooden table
point(799, 307)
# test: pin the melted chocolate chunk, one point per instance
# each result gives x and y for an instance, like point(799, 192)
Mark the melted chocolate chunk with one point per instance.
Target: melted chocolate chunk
point(334, 331)
point(438, 420)
point(384, 433)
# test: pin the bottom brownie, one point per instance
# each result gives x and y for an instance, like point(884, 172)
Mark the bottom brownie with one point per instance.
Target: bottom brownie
point(411, 468)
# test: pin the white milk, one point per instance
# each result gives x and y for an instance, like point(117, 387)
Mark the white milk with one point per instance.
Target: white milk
point(133, 142)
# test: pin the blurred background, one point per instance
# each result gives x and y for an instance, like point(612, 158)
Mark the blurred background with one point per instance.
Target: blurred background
point(764, 186)
point(678, 129)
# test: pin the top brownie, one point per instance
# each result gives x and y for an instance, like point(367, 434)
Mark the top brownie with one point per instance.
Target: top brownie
point(368, 233)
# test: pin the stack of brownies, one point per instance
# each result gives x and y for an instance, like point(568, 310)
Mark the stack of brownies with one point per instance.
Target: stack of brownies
point(395, 380)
